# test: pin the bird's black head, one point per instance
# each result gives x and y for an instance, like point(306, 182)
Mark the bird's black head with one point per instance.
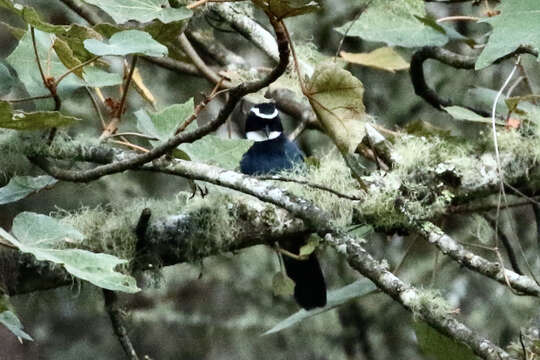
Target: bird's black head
point(263, 122)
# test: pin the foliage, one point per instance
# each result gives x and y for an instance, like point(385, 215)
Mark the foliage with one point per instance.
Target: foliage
point(380, 189)
point(20, 187)
point(44, 237)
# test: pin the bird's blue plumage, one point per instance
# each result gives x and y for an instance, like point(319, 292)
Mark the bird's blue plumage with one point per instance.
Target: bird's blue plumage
point(271, 156)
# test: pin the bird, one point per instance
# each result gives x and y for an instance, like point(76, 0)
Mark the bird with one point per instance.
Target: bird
point(271, 153)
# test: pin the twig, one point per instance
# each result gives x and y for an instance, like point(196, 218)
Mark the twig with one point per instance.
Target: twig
point(96, 107)
point(507, 246)
point(452, 59)
point(200, 106)
point(117, 321)
point(496, 148)
point(49, 83)
point(130, 145)
point(199, 63)
point(248, 28)
point(408, 296)
point(128, 133)
point(458, 18)
point(29, 98)
point(492, 270)
point(85, 12)
point(112, 126)
point(75, 68)
point(235, 94)
point(122, 105)
point(43, 77)
point(173, 65)
point(310, 184)
point(342, 40)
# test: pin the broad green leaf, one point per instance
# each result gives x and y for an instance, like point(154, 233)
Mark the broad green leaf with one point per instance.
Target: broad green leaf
point(461, 113)
point(43, 231)
point(141, 10)
point(97, 77)
point(23, 60)
point(438, 346)
point(396, 23)
point(335, 298)
point(163, 124)
point(73, 34)
point(282, 284)
point(215, 150)
point(125, 43)
point(483, 98)
point(310, 246)
point(384, 58)
point(166, 34)
point(6, 80)
point(45, 238)
point(359, 231)
point(18, 120)
point(287, 8)
point(65, 54)
point(336, 97)
point(20, 187)
point(517, 24)
point(13, 324)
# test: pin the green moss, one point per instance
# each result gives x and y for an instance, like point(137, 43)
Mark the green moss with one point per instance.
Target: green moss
point(432, 299)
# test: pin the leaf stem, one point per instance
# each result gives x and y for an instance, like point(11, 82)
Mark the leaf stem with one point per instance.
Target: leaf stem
point(61, 77)
point(29, 98)
point(126, 87)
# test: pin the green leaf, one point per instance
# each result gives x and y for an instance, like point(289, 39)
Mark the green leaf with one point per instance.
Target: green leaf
point(20, 187)
point(97, 77)
point(396, 23)
point(6, 80)
point(13, 324)
point(360, 231)
point(336, 97)
point(384, 58)
point(483, 98)
point(310, 246)
point(163, 124)
point(288, 8)
point(282, 284)
point(518, 24)
point(125, 43)
point(461, 113)
point(335, 298)
point(72, 34)
point(23, 60)
point(438, 346)
point(218, 151)
point(43, 231)
point(141, 10)
point(65, 54)
point(46, 237)
point(18, 120)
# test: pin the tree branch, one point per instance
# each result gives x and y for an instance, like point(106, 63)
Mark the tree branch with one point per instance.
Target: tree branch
point(115, 314)
point(452, 59)
point(492, 270)
point(248, 28)
point(411, 298)
point(235, 94)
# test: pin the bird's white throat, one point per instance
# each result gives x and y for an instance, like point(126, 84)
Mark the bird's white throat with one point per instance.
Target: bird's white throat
point(262, 135)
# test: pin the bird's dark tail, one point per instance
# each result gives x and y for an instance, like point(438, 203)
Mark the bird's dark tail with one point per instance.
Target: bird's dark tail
point(310, 288)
